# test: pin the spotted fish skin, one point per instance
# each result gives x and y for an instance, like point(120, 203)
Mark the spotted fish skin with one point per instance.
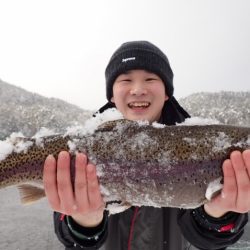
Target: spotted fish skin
point(139, 164)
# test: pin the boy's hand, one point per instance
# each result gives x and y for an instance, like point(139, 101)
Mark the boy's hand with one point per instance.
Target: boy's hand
point(85, 204)
point(235, 195)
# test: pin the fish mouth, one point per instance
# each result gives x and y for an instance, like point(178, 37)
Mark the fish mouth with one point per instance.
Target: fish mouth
point(139, 105)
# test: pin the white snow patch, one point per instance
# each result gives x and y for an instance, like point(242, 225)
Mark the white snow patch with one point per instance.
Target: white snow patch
point(43, 132)
point(22, 146)
point(18, 142)
point(213, 187)
point(221, 142)
point(75, 130)
point(198, 121)
point(115, 208)
point(143, 122)
point(39, 136)
point(104, 191)
point(93, 123)
point(248, 141)
point(72, 146)
point(100, 169)
point(158, 125)
point(6, 148)
point(14, 137)
point(14, 143)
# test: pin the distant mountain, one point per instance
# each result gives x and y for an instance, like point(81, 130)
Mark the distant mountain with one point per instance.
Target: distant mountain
point(226, 107)
point(27, 112)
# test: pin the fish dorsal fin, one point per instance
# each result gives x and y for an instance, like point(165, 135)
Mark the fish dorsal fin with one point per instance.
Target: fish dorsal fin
point(30, 193)
point(110, 125)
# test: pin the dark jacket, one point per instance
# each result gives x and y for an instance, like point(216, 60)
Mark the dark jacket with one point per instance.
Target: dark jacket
point(149, 228)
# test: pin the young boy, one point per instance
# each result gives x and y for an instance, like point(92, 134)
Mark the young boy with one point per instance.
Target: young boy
point(139, 83)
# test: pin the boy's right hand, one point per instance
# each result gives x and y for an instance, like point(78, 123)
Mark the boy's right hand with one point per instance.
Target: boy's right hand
point(84, 203)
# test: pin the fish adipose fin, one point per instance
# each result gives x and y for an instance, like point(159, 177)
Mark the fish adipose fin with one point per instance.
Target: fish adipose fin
point(30, 193)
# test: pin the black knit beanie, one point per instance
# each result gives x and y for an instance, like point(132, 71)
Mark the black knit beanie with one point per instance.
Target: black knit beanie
point(138, 55)
point(144, 55)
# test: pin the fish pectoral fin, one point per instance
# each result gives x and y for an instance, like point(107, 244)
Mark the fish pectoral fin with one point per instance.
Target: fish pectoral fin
point(29, 193)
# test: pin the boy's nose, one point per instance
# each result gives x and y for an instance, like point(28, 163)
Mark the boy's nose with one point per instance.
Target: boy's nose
point(138, 90)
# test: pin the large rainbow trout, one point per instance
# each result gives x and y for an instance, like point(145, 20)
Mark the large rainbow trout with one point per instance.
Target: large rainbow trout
point(137, 163)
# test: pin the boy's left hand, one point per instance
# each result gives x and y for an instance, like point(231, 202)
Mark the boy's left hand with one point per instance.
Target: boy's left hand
point(235, 195)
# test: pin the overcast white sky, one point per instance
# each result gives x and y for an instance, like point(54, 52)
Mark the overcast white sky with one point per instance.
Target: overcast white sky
point(61, 48)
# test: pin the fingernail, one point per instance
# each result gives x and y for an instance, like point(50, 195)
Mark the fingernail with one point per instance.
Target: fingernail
point(61, 154)
point(49, 158)
point(82, 158)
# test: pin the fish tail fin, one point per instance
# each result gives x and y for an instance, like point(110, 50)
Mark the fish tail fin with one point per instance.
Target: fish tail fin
point(30, 193)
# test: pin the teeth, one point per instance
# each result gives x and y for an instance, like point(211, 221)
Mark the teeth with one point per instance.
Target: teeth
point(139, 104)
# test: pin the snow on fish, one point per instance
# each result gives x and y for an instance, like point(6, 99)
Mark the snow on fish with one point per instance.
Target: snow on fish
point(137, 163)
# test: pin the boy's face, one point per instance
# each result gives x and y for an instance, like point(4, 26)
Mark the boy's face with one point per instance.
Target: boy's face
point(139, 95)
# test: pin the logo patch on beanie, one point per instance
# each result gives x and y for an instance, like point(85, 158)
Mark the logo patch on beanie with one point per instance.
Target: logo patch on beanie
point(128, 59)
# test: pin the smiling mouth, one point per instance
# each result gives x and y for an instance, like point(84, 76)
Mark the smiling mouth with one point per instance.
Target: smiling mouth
point(138, 105)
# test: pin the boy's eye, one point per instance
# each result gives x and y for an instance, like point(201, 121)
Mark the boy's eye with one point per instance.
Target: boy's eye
point(151, 79)
point(125, 80)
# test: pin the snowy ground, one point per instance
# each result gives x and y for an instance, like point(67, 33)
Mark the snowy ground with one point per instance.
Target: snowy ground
point(25, 227)
point(30, 227)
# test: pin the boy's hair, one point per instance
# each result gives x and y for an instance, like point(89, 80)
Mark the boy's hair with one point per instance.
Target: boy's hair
point(138, 55)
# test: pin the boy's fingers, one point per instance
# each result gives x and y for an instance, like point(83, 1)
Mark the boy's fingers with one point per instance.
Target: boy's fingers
point(246, 158)
point(229, 191)
point(81, 192)
point(95, 198)
point(50, 182)
point(242, 179)
point(64, 184)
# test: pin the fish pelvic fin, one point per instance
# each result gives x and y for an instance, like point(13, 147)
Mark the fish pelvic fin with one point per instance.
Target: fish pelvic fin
point(30, 194)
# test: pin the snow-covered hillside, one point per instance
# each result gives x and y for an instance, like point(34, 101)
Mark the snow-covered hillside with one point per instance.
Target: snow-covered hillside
point(27, 112)
point(226, 107)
